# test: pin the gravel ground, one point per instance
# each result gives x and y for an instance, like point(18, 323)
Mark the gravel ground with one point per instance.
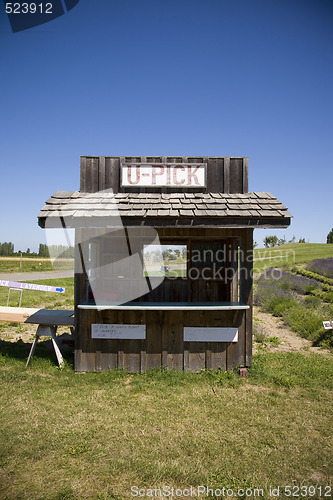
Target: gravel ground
point(289, 341)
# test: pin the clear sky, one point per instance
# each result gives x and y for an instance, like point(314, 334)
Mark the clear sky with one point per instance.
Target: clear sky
point(170, 77)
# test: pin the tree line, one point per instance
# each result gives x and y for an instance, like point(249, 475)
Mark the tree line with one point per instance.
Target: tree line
point(6, 249)
point(60, 251)
point(274, 241)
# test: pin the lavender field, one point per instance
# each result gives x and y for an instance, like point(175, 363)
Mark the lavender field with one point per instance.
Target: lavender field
point(322, 266)
point(302, 302)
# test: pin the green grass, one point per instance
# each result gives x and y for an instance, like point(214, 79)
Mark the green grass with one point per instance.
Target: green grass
point(93, 436)
point(291, 253)
point(260, 336)
point(96, 435)
point(14, 265)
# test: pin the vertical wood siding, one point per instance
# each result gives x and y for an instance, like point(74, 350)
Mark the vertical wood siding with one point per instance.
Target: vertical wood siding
point(224, 174)
point(164, 344)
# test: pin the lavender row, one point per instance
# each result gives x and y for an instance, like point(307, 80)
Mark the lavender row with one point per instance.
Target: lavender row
point(286, 281)
point(322, 266)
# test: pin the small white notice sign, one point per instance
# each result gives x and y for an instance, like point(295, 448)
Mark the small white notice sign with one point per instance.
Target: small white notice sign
point(211, 334)
point(115, 331)
point(328, 325)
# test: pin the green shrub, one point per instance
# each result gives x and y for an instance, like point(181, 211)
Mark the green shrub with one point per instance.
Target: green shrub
point(289, 298)
point(312, 301)
point(279, 306)
point(303, 321)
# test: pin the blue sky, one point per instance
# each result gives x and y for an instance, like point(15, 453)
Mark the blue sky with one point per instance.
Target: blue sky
point(172, 77)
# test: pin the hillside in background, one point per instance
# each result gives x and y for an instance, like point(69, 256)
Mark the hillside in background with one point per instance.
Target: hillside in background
point(291, 253)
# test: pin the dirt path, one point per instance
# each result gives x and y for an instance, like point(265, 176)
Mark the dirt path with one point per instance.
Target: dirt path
point(37, 275)
point(289, 341)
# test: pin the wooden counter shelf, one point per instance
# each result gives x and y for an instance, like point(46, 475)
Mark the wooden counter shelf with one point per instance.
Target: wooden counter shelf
point(169, 306)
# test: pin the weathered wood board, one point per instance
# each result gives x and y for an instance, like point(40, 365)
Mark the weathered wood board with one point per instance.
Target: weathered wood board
point(37, 316)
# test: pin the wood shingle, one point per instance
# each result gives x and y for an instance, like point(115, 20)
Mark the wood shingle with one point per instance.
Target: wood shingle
point(220, 209)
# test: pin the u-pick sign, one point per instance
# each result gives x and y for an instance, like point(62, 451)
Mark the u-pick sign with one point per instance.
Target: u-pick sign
point(328, 325)
point(182, 175)
point(31, 286)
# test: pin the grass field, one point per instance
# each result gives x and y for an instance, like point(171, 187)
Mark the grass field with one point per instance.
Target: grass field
point(67, 436)
point(289, 254)
point(16, 265)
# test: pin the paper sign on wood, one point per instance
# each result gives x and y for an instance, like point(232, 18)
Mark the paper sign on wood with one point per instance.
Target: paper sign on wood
point(114, 331)
point(200, 334)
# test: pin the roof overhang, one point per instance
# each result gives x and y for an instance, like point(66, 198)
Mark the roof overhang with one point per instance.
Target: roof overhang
point(105, 209)
point(98, 222)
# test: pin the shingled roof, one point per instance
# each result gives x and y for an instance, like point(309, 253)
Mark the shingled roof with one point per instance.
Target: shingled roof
point(158, 209)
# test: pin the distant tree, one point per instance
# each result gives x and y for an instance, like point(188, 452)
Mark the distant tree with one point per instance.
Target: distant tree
point(177, 253)
point(43, 250)
point(166, 254)
point(61, 252)
point(6, 249)
point(156, 256)
point(255, 244)
point(147, 256)
point(292, 240)
point(330, 236)
point(271, 241)
point(301, 240)
point(282, 241)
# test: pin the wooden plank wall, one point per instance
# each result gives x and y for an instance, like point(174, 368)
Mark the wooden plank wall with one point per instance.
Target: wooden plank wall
point(224, 174)
point(164, 345)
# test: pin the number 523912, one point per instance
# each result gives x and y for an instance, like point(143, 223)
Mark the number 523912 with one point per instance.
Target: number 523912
point(28, 8)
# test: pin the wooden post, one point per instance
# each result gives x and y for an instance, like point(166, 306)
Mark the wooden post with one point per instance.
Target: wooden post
point(246, 289)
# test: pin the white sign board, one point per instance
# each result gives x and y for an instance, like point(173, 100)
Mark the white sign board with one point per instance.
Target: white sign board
point(180, 175)
point(328, 325)
point(31, 286)
point(110, 331)
point(211, 334)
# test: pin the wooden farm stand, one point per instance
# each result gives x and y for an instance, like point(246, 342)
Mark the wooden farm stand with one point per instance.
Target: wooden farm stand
point(192, 322)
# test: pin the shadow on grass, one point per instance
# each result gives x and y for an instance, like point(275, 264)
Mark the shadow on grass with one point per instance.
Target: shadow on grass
point(324, 339)
point(19, 351)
